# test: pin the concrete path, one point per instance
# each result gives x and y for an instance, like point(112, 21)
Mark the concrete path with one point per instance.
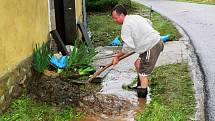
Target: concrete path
point(124, 72)
point(198, 21)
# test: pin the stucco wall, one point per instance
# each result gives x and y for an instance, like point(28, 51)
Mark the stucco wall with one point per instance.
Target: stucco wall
point(23, 23)
point(79, 16)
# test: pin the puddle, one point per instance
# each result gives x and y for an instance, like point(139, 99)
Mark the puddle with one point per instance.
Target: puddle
point(125, 116)
point(114, 111)
point(113, 103)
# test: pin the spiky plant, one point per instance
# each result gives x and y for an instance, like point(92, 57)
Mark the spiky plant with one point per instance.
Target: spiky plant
point(41, 57)
point(81, 57)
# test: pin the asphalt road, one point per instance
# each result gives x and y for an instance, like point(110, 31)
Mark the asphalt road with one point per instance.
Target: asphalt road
point(198, 21)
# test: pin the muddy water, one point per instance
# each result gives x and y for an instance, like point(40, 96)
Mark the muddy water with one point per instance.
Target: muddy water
point(115, 103)
point(128, 115)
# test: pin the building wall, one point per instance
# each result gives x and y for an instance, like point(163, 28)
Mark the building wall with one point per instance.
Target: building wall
point(79, 15)
point(23, 23)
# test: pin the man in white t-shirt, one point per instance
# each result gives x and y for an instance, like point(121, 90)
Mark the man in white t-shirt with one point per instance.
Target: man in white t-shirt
point(138, 35)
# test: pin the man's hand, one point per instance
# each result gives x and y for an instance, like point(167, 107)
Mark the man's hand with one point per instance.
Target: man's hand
point(115, 60)
point(116, 57)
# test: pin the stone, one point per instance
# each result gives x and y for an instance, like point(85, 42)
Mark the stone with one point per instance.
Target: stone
point(1, 99)
point(12, 82)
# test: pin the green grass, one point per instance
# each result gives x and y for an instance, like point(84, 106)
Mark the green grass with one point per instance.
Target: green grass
point(211, 2)
point(172, 100)
point(41, 57)
point(171, 85)
point(104, 29)
point(160, 23)
point(26, 109)
point(172, 95)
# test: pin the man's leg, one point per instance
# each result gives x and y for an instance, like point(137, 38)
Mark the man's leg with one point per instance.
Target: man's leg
point(143, 81)
point(147, 63)
point(138, 80)
point(142, 89)
point(137, 66)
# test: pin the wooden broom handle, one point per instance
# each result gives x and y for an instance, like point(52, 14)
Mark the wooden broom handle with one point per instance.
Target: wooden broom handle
point(107, 66)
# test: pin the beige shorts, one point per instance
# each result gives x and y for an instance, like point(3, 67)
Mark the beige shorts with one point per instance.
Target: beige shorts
point(149, 58)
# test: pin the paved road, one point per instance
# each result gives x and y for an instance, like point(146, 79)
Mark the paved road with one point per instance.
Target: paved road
point(198, 21)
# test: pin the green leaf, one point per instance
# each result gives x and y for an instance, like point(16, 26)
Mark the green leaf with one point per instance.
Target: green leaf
point(41, 57)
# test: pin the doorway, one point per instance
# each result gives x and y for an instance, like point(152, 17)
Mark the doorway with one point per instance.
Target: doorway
point(63, 19)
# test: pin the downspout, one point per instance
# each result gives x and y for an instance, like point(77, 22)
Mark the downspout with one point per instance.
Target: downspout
point(84, 14)
point(49, 14)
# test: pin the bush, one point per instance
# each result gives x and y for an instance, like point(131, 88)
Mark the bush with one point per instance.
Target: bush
point(41, 57)
point(104, 5)
point(81, 57)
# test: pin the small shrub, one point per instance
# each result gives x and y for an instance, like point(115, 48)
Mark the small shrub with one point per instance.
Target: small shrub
point(81, 57)
point(104, 5)
point(41, 57)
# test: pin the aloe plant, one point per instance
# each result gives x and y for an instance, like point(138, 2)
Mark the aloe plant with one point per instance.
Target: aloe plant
point(81, 57)
point(41, 57)
point(85, 71)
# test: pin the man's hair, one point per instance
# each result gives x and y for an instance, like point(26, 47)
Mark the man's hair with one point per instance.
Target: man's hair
point(120, 9)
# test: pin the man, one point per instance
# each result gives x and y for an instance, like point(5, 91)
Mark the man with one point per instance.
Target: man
point(138, 34)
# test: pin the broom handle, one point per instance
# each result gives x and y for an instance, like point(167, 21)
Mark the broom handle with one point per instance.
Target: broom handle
point(107, 66)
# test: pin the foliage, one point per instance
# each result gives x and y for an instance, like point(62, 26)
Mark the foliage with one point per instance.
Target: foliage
point(212, 2)
point(98, 5)
point(85, 71)
point(26, 109)
point(81, 57)
point(104, 5)
point(161, 24)
point(41, 57)
point(172, 95)
point(104, 29)
point(126, 3)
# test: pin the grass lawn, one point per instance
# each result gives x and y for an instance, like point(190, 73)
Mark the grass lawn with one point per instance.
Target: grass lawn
point(172, 100)
point(172, 95)
point(26, 109)
point(104, 29)
point(212, 2)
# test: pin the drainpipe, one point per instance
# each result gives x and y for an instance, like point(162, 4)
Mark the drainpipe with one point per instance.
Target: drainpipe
point(84, 14)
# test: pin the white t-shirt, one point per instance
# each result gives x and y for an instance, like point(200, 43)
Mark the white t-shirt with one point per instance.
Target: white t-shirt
point(138, 34)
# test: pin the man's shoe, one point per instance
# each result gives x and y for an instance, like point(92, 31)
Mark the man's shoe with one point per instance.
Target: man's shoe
point(132, 88)
point(138, 84)
point(142, 92)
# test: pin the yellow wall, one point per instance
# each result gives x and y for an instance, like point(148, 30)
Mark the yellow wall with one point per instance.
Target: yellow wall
point(79, 16)
point(22, 24)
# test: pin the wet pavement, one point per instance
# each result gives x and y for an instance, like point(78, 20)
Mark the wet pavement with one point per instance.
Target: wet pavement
point(124, 72)
point(198, 22)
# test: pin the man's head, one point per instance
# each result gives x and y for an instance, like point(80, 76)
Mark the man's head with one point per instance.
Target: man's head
point(118, 14)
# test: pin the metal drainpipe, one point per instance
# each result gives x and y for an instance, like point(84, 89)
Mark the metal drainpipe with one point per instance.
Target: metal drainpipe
point(84, 14)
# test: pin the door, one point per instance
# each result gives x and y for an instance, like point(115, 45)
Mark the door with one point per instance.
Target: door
point(65, 17)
